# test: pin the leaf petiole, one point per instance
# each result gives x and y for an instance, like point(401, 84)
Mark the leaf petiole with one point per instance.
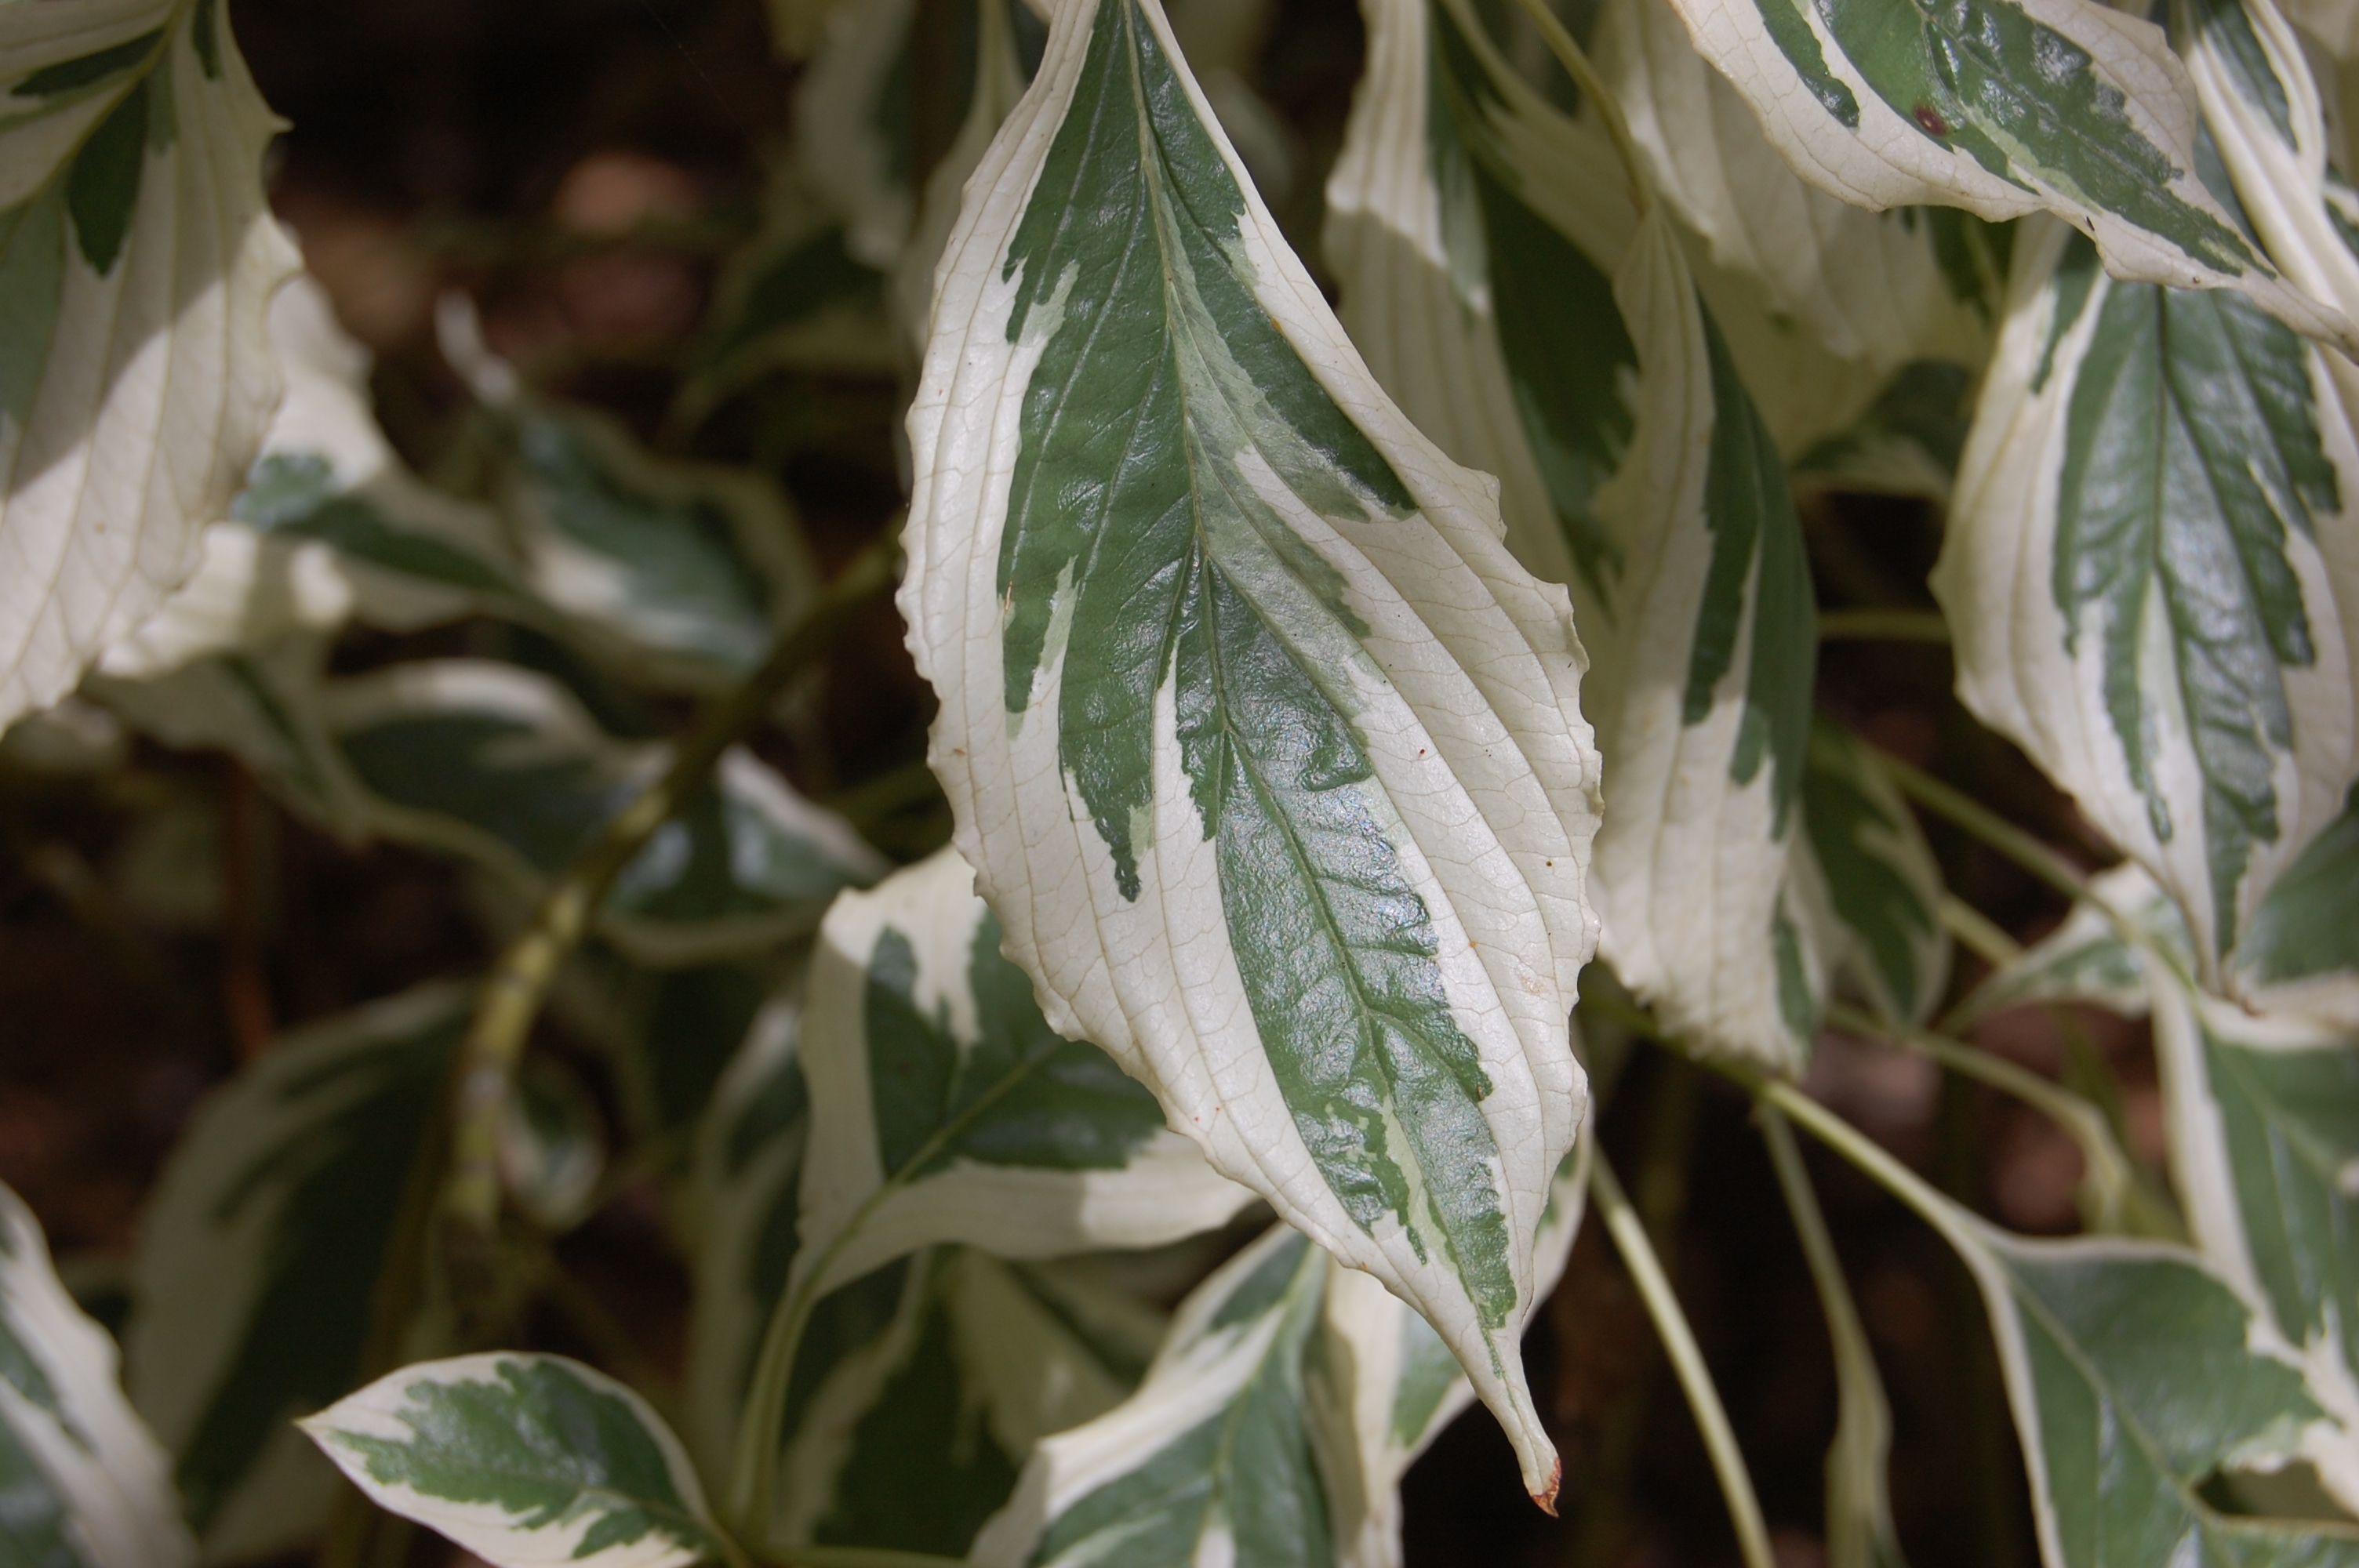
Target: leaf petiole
point(1678, 1342)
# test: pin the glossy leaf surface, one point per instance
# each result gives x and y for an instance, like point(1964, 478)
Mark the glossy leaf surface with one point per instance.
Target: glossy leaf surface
point(1314, 869)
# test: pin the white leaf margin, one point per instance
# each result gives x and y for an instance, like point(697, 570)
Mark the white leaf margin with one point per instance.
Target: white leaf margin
point(106, 1467)
point(488, 1530)
point(1167, 1190)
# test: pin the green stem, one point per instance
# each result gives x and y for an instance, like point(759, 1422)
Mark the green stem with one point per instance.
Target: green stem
point(1982, 934)
point(1575, 60)
point(1687, 1359)
point(1985, 825)
point(2110, 1182)
point(1883, 626)
point(512, 994)
point(1859, 1523)
point(754, 1462)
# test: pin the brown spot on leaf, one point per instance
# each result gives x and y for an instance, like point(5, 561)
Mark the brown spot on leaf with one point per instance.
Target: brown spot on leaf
point(1930, 119)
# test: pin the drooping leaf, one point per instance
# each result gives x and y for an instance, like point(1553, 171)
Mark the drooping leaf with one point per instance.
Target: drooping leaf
point(919, 1098)
point(2300, 954)
point(259, 1259)
point(898, 1368)
point(1879, 290)
point(977, 1362)
point(1476, 228)
point(1213, 1460)
point(1475, 231)
point(1279, 1355)
point(523, 1461)
point(2138, 1376)
point(500, 765)
point(1702, 676)
point(944, 1107)
point(2144, 1385)
point(1479, 232)
point(2147, 569)
point(86, 1485)
point(1882, 879)
point(2263, 1122)
point(1316, 870)
point(2002, 107)
point(329, 526)
point(137, 257)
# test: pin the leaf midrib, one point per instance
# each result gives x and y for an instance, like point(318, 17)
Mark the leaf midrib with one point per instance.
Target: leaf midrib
point(1366, 1006)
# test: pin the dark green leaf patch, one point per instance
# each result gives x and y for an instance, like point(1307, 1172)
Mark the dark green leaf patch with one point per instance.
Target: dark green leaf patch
point(296, 494)
point(1020, 1095)
point(1137, 542)
point(1874, 896)
point(102, 183)
point(1756, 556)
point(2192, 449)
point(1247, 1469)
point(2143, 1386)
point(2308, 923)
point(2290, 1121)
point(1559, 331)
point(1985, 78)
point(69, 76)
point(346, 1130)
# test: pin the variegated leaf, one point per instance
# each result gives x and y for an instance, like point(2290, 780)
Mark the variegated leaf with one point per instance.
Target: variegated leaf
point(137, 257)
point(2301, 953)
point(1214, 1460)
point(1475, 231)
point(2138, 1375)
point(2002, 107)
point(501, 764)
point(681, 572)
point(258, 1260)
point(1703, 665)
point(1383, 1385)
point(1882, 881)
point(1476, 228)
point(944, 1107)
point(1879, 290)
point(523, 1461)
point(2264, 1119)
point(916, 1098)
point(1266, 752)
point(2149, 567)
point(977, 1362)
point(86, 1486)
point(329, 526)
